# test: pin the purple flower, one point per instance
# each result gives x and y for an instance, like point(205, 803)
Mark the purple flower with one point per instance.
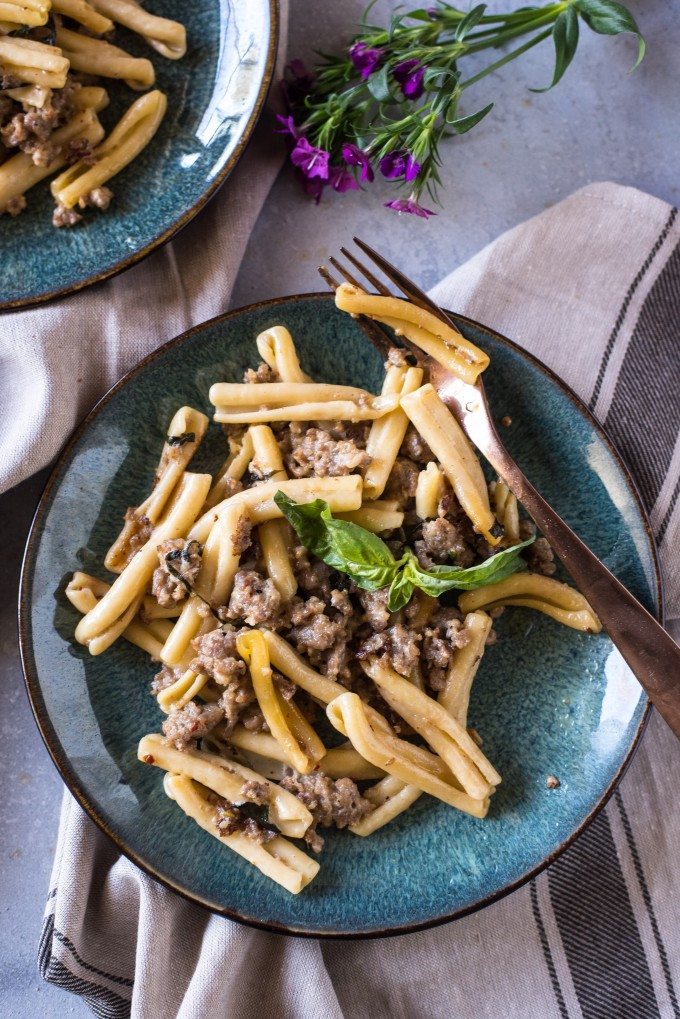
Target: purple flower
point(341, 180)
point(411, 206)
point(298, 85)
point(354, 156)
point(314, 188)
point(310, 161)
point(399, 164)
point(409, 74)
point(364, 58)
point(289, 127)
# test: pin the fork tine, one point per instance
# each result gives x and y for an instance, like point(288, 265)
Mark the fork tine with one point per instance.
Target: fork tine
point(373, 280)
point(394, 341)
point(377, 336)
point(345, 272)
point(407, 286)
point(327, 278)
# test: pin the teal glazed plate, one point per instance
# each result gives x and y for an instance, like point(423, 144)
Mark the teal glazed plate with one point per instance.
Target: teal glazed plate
point(215, 95)
point(547, 700)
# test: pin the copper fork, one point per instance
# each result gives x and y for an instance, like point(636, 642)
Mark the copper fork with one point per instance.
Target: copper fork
point(652, 655)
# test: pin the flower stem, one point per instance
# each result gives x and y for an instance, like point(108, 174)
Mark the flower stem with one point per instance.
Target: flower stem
point(506, 59)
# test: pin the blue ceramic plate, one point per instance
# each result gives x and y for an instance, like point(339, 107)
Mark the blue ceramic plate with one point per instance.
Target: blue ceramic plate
point(215, 96)
point(547, 700)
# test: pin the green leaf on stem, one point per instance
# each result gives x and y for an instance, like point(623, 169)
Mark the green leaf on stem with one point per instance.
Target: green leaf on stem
point(436, 580)
point(471, 19)
point(565, 37)
point(378, 85)
point(365, 557)
point(400, 592)
point(607, 17)
point(462, 124)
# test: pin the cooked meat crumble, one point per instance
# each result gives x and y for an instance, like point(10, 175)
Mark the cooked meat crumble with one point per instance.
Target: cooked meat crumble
point(315, 451)
point(165, 678)
point(254, 599)
point(63, 217)
point(331, 802)
point(184, 726)
point(180, 562)
point(141, 528)
point(263, 373)
point(233, 818)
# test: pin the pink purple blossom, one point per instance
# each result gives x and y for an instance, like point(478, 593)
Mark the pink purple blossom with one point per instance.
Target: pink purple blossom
point(354, 156)
point(310, 161)
point(411, 206)
point(288, 127)
point(410, 74)
point(299, 83)
point(399, 164)
point(341, 180)
point(364, 58)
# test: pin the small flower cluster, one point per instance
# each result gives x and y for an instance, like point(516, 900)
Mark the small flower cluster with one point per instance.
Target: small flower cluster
point(355, 167)
point(385, 106)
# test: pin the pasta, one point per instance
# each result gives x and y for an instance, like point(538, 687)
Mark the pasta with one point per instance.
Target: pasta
point(544, 594)
point(132, 134)
point(444, 343)
point(264, 594)
point(450, 445)
point(45, 48)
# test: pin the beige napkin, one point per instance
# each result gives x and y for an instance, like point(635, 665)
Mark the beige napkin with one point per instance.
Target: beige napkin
point(592, 286)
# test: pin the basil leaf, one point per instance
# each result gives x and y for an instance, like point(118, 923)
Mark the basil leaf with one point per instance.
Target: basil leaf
point(401, 590)
point(565, 37)
point(355, 543)
point(439, 579)
point(345, 546)
point(307, 522)
point(180, 440)
point(606, 17)
point(366, 558)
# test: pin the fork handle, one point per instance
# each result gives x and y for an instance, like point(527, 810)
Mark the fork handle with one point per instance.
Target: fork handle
point(651, 653)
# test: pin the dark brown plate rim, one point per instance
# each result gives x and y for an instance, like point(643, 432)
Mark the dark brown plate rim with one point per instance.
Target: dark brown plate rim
point(63, 765)
point(186, 217)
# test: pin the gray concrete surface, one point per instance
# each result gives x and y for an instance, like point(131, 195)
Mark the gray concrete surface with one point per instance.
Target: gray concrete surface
point(599, 124)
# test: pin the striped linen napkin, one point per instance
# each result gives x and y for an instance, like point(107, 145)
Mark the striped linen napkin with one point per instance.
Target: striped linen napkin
point(592, 287)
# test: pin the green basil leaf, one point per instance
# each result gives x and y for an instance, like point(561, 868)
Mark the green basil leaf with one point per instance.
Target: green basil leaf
point(439, 579)
point(345, 546)
point(607, 17)
point(565, 37)
point(471, 19)
point(378, 85)
point(355, 543)
point(462, 124)
point(310, 527)
point(400, 592)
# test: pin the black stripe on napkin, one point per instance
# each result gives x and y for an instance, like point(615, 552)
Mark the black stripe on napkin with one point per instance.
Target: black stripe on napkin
point(598, 929)
point(105, 1004)
point(611, 342)
point(587, 889)
point(644, 416)
point(102, 1000)
point(547, 954)
point(642, 881)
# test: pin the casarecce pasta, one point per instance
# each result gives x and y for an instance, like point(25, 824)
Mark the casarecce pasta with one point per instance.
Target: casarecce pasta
point(309, 674)
point(46, 47)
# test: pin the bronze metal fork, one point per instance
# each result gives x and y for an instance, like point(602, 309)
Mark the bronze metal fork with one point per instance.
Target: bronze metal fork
point(650, 652)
